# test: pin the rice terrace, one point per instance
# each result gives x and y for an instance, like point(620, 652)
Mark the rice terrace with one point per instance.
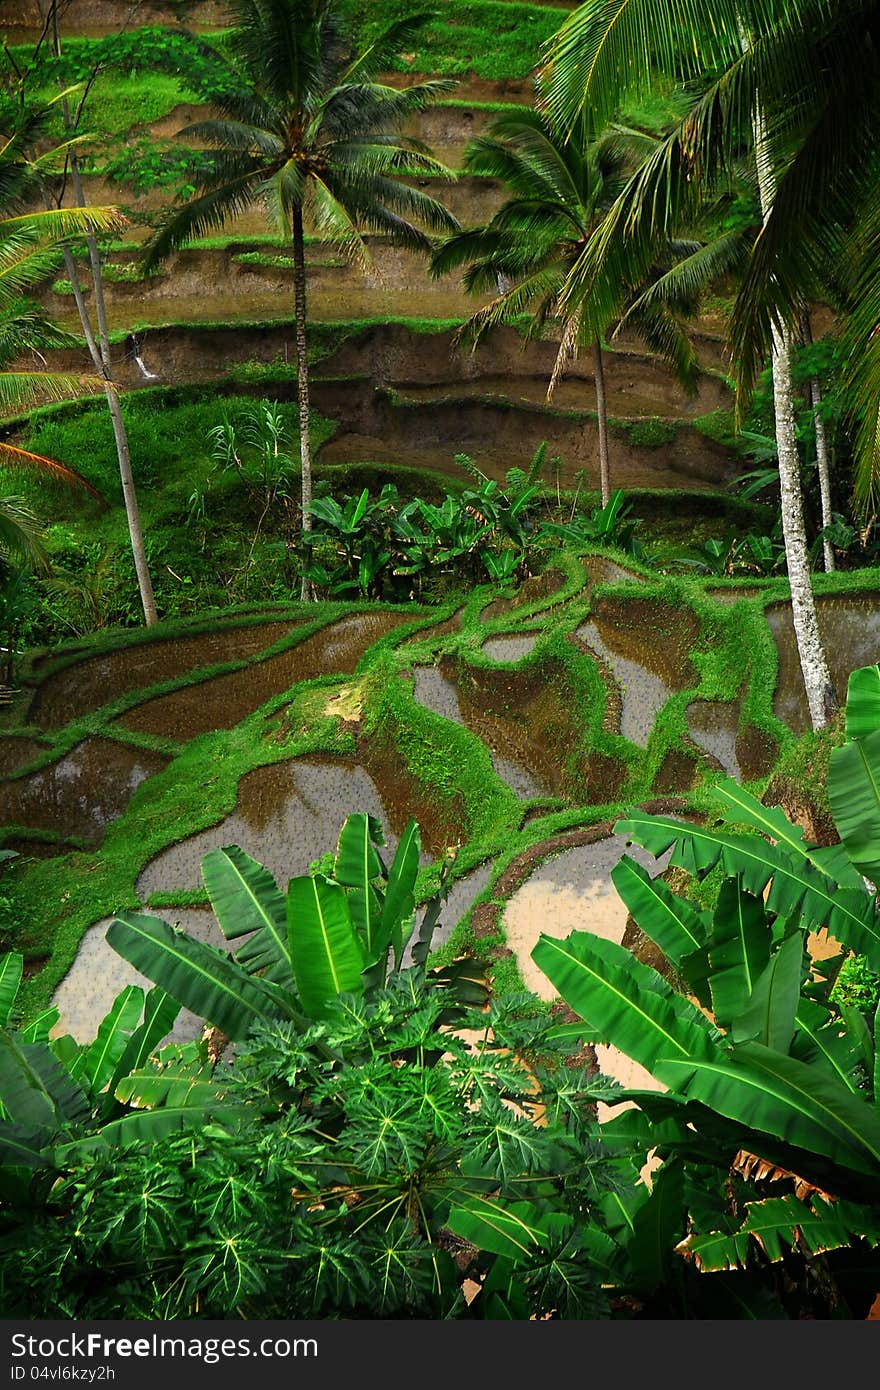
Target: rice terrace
point(439, 687)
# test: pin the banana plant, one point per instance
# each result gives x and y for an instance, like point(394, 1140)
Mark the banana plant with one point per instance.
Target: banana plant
point(296, 952)
point(752, 1055)
point(60, 1098)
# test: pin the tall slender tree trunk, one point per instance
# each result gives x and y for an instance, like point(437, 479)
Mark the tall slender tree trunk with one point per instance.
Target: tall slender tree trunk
point(302, 375)
point(822, 456)
point(814, 665)
point(602, 421)
point(99, 351)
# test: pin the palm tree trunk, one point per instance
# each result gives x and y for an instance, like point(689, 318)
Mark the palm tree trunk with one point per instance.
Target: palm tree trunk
point(822, 459)
point(814, 665)
point(602, 421)
point(302, 375)
point(99, 350)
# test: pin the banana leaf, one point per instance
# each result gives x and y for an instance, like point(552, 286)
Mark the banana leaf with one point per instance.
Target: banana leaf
point(818, 1039)
point(39, 1028)
point(769, 1016)
point(325, 950)
point(740, 950)
point(95, 1064)
point(785, 1098)
point(863, 702)
point(199, 976)
point(514, 1231)
point(854, 793)
point(35, 1090)
point(398, 909)
point(672, 923)
point(797, 886)
point(627, 1003)
point(778, 1224)
point(246, 899)
point(160, 1012)
point(11, 967)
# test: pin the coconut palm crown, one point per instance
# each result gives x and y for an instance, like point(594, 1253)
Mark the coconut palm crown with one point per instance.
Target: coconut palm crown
point(308, 132)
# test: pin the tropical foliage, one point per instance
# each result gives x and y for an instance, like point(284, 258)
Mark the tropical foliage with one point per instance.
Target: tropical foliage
point(307, 131)
point(766, 1125)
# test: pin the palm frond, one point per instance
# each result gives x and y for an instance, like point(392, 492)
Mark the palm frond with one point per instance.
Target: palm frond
point(15, 458)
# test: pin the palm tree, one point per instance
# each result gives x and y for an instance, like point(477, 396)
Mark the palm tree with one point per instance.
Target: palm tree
point(766, 93)
point(307, 131)
point(561, 187)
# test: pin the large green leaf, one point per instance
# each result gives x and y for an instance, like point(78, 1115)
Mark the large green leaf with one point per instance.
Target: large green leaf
point(769, 1016)
point(739, 952)
point(324, 948)
point(35, 1090)
point(658, 1225)
point(854, 793)
point(145, 1127)
point(798, 887)
point(780, 1223)
point(399, 906)
point(202, 978)
point(150, 1090)
point(669, 921)
point(11, 967)
point(863, 702)
point(514, 1231)
point(357, 860)
point(95, 1064)
point(40, 1028)
point(819, 1039)
point(627, 1003)
point(246, 899)
point(160, 1012)
point(784, 1097)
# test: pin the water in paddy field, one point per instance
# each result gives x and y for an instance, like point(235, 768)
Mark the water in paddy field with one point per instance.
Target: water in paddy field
point(647, 648)
point(510, 648)
point(80, 793)
point(99, 680)
point(522, 773)
point(223, 701)
point(573, 892)
point(849, 625)
point(289, 814)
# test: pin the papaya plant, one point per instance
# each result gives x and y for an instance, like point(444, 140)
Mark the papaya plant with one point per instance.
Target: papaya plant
point(769, 1107)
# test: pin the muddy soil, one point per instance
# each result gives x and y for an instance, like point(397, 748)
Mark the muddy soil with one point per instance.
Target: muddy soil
point(376, 428)
point(647, 647)
point(850, 629)
point(99, 680)
point(222, 702)
point(82, 792)
point(289, 814)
